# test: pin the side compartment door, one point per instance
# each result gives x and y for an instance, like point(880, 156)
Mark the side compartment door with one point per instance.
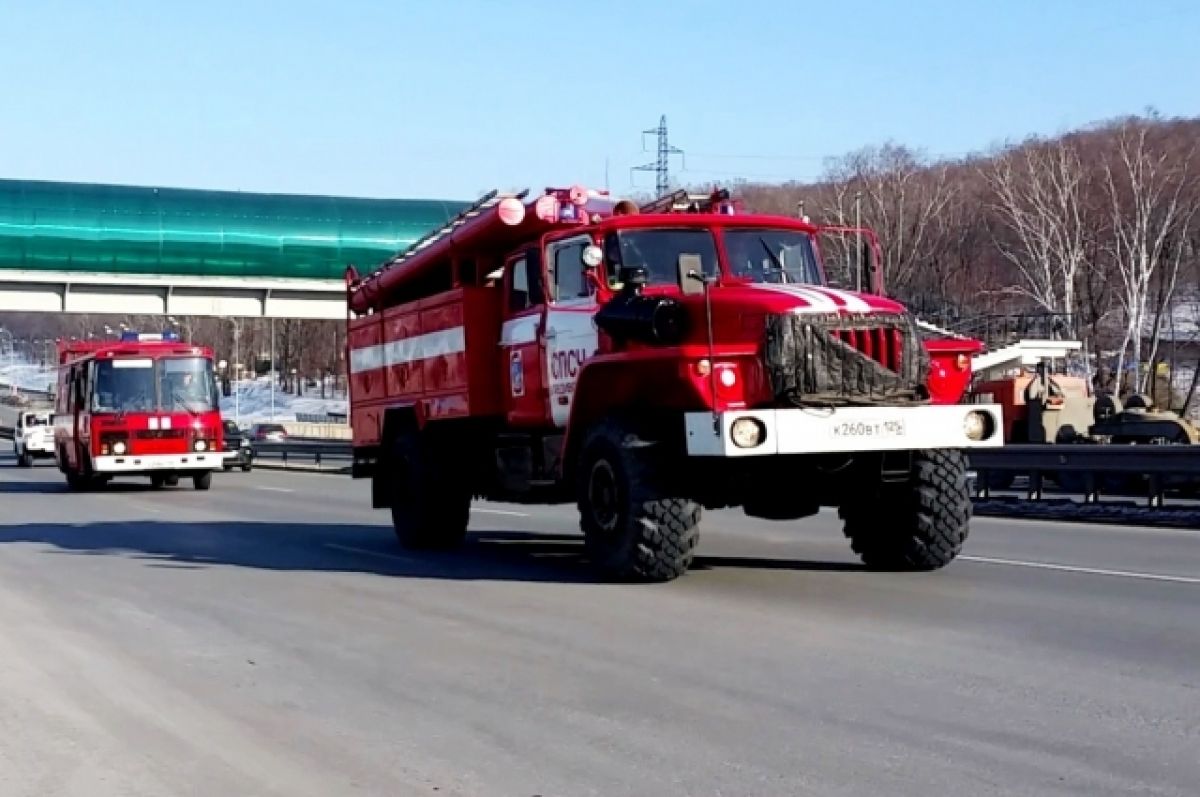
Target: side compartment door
point(520, 345)
point(570, 335)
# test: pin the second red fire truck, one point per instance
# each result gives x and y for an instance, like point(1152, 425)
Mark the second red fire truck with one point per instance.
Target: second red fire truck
point(144, 405)
point(647, 363)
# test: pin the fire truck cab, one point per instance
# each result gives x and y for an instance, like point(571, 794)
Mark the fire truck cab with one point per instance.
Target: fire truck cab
point(144, 405)
point(646, 363)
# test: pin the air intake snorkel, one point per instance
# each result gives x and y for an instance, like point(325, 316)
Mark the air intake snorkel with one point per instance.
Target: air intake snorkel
point(691, 272)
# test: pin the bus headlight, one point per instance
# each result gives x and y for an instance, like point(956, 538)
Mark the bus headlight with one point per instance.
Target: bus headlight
point(747, 432)
point(200, 445)
point(119, 447)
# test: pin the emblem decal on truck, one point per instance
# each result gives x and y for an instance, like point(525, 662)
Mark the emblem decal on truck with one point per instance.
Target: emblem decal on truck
point(516, 373)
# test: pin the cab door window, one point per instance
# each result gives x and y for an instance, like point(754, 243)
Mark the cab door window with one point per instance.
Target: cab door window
point(567, 271)
point(525, 286)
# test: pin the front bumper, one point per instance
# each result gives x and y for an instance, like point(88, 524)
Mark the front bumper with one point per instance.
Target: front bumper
point(843, 430)
point(237, 456)
point(39, 445)
point(144, 463)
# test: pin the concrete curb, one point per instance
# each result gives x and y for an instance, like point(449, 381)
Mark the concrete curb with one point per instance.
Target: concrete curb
point(1126, 513)
point(279, 465)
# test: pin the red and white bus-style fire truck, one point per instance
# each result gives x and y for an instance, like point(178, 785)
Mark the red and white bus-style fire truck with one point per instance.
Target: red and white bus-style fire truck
point(647, 363)
point(144, 405)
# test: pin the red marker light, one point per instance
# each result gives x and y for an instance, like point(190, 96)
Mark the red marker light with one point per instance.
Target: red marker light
point(511, 210)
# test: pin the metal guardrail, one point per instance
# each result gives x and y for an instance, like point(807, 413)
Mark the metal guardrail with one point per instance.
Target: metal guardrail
point(324, 417)
point(324, 455)
point(1090, 465)
point(1158, 466)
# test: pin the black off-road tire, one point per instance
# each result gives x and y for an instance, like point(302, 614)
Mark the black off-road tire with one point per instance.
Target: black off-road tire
point(431, 505)
point(635, 526)
point(202, 481)
point(916, 525)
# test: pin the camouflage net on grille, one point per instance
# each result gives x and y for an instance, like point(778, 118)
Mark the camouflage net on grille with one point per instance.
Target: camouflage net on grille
point(811, 364)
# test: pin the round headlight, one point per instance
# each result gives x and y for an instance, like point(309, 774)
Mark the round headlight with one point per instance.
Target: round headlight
point(727, 377)
point(747, 432)
point(977, 425)
point(119, 447)
point(200, 445)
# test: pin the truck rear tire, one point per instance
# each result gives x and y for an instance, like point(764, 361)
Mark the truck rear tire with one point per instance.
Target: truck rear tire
point(634, 527)
point(918, 525)
point(202, 481)
point(432, 504)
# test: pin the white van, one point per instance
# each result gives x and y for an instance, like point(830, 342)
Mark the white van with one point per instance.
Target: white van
point(34, 436)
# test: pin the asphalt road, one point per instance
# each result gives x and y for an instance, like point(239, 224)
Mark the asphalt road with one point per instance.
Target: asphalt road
point(268, 638)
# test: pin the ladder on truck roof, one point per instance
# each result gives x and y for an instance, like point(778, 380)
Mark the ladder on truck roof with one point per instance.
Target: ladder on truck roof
point(488, 201)
point(681, 201)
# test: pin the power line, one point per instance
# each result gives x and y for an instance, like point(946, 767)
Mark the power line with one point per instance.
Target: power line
point(662, 166)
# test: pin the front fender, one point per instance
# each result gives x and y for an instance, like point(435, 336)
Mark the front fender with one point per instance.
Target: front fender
point(647, 388)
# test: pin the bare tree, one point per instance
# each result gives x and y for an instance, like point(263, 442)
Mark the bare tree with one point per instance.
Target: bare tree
point(1038, 198)
point(902, 198)
point(1150, 220)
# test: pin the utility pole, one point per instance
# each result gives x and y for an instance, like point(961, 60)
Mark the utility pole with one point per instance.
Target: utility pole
point(858, 236)
point(272, 368)
point(662, 166)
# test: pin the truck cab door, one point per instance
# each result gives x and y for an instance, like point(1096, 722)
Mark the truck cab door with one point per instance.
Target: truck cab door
point(524, 392)
point(569, 334)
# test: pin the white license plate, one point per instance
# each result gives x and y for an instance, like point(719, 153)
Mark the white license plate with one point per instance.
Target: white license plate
point(867, 430)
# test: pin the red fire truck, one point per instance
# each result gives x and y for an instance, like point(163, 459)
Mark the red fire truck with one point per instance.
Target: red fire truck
point(144, 405)
point(647, 363)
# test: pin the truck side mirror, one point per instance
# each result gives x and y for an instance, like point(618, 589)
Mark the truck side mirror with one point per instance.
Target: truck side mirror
point(688, 267)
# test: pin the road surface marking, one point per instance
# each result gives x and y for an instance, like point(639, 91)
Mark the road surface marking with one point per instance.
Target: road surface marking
point(274, 489)
point(1095, 571)
point(504, 512)
point(367, 552)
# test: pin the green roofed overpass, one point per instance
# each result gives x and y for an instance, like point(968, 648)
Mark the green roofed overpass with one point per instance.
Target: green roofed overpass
point(88, 248)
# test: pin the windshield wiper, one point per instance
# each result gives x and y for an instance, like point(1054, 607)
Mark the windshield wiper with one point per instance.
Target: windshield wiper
point(774, 258)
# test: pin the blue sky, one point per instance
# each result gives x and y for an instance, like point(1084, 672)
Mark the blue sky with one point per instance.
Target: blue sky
point(447, 99)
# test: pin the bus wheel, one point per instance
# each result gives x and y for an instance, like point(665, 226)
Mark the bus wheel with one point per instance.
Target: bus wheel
point(202, 481)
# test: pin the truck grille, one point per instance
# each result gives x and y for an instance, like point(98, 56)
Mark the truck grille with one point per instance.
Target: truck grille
point(884, 346)
point(823, 361)
point(161, 434)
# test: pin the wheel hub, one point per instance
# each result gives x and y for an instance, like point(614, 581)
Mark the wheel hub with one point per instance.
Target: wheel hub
point(603, 495)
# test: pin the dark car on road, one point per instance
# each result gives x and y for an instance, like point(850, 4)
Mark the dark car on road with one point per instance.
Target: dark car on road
point(268, 433)
point(237, 441)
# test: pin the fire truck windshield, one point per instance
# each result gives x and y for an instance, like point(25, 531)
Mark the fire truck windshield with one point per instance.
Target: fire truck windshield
point(142, 384)
point(658, 251)
point(765, 255)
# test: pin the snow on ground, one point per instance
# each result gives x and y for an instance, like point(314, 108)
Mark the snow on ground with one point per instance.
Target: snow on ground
point(26, 376)
point(252, 405)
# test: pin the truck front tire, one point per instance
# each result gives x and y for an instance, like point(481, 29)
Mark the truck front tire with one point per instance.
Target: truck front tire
point(23, 458)
point(431, 507)
point(201, 481)
point(634, 527)
point(920, 524)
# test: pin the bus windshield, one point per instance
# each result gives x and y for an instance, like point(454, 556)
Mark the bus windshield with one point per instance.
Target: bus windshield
point(186, 385)
point(766, 255)
point(143, 384)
